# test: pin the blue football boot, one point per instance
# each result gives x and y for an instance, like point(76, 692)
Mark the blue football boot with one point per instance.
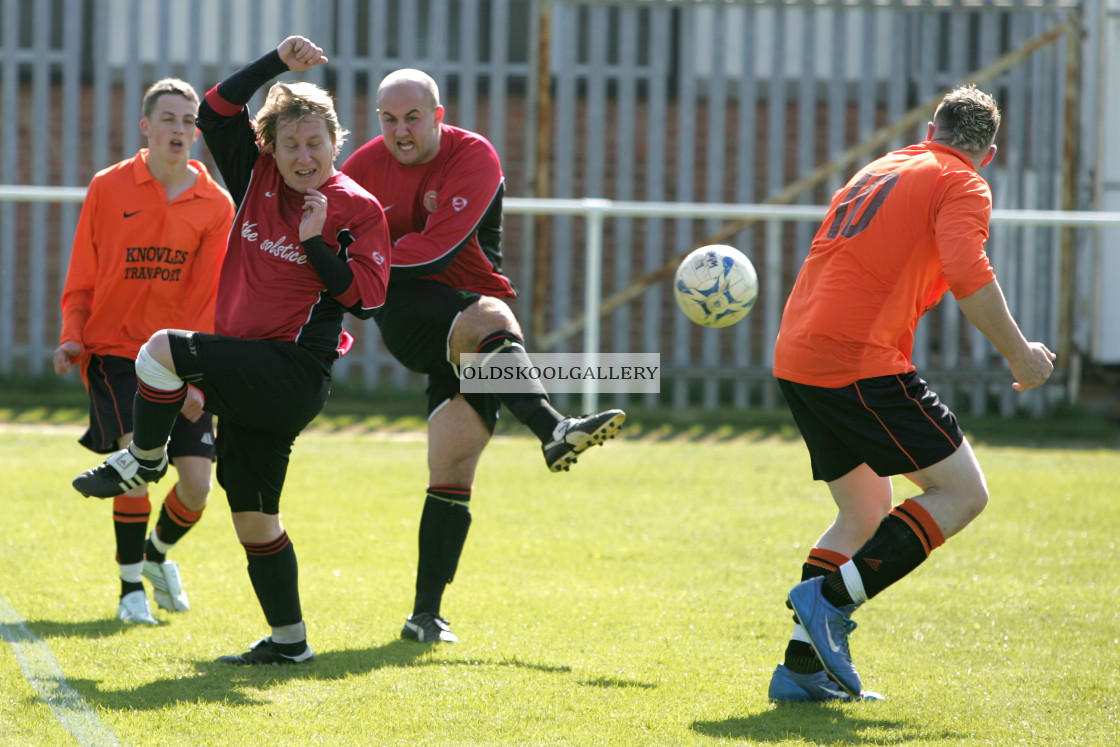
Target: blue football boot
point(828, 628)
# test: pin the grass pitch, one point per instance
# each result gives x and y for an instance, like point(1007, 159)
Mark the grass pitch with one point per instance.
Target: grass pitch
point(634, 601)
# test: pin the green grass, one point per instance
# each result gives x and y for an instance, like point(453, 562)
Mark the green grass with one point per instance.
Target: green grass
point(636, 600)
point(64, 402)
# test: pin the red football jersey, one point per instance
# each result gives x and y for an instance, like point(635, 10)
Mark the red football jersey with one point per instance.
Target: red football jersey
point(445, 216)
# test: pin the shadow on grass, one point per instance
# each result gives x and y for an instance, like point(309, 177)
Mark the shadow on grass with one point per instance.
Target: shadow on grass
point(617, 682)
point(234, 685)
point(815, 723)
point(91, 629)
point(56, 402)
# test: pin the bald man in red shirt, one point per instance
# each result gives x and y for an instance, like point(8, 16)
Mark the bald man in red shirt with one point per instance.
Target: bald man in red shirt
point(442, 188)
point(906, 228)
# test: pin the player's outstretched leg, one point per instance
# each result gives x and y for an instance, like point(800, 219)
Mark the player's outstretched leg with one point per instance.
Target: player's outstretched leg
point(120, 473)
point(787, 686)
point(828, 628)
point(563, 439)
point(573, 436)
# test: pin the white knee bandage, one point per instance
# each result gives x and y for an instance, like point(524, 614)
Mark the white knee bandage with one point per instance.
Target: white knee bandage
point(153, 373)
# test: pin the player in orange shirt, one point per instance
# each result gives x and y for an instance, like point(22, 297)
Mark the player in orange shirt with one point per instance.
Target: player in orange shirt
point(146, 255)
point(906, 228)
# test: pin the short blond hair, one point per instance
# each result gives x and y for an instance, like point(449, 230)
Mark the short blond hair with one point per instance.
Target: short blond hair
point(293, 101)
point(967, 119)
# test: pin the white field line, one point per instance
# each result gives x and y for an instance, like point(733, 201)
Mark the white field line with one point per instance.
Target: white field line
point(45, 676)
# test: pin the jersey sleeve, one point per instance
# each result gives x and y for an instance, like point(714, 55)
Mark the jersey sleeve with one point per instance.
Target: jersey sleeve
point(232, 142)
point(473, 185)
point(225, 124)
point(367, 253)
point(961, 232)
point(208, 261)
point(81, 276)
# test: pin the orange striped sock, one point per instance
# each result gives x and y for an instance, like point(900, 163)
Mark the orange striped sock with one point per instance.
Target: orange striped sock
point(820, 562)
point(904, 539)
point(921, 523)
point(174, 521)
point(130, 525)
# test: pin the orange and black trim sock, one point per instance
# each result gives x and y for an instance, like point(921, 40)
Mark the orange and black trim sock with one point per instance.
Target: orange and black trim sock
point(443, 532)
point(799, 655)
point(130, 525)
point(274, 572)
point(903, 541)
point(174, 521)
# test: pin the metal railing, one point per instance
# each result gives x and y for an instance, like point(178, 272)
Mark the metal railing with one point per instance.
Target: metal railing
point(595, 212)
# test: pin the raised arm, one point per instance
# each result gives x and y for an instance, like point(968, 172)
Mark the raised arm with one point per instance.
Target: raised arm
point(224, 121)
point(299, 53)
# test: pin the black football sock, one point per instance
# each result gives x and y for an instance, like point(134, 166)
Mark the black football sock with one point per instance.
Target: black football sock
point(443, 532)
point(153, 414)
point(903, 541)
point(127, 587)
point(800, 657)
point(275, 575)
point(290, 649)
point(530, 407)
point(130, 524)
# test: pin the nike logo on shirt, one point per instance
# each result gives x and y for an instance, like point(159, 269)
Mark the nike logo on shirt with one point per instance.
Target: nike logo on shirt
point(129, 215)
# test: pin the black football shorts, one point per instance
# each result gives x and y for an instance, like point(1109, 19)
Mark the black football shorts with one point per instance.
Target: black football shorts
point(264, 393)
point(415, 323)
point(894, 424)
point(112, 387)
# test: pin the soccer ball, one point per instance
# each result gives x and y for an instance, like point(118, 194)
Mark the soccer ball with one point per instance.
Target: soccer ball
point(716, 286)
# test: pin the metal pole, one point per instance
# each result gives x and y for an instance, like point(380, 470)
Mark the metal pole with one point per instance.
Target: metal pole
point(1067, 276)
point(540, 117)
point(592, 298)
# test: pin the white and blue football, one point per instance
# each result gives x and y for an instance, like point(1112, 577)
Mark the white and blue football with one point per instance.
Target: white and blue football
point(716, 286)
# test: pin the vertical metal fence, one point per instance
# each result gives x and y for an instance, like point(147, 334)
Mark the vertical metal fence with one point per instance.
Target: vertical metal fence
point(721, 102)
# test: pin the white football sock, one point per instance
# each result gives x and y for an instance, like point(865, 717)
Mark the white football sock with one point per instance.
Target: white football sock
point(853, 582)
point(290, 633)
point(131, 573)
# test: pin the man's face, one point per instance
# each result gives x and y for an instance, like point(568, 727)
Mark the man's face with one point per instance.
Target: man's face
point(170, 128)
point(409, 123)
point(304, 152)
